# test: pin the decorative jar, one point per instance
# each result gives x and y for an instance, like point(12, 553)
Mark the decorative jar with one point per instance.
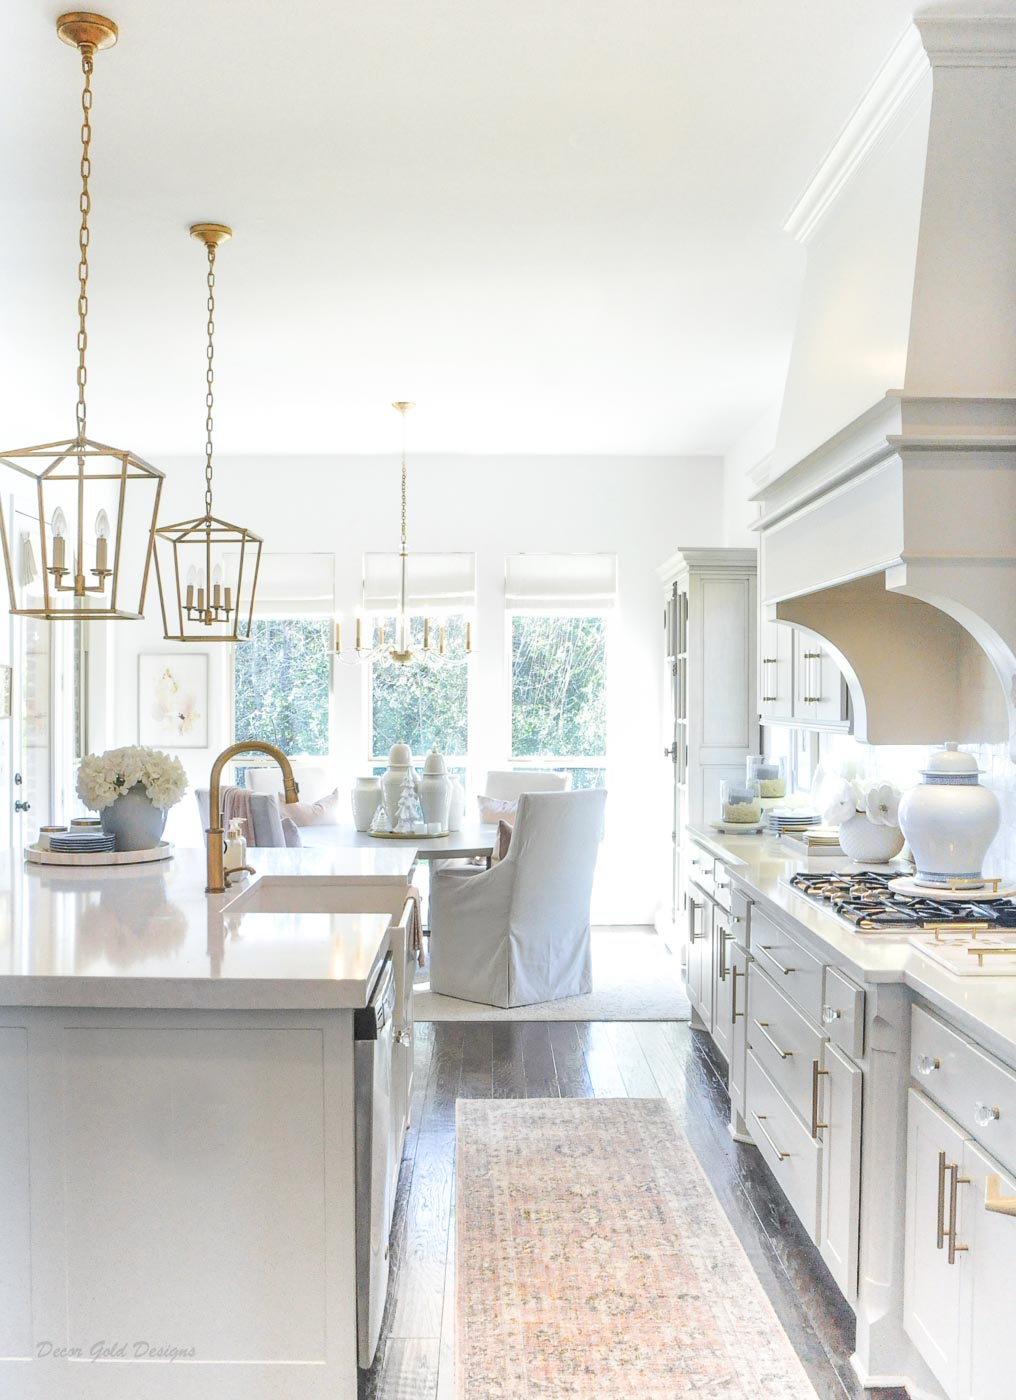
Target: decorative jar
point(949, 819)
point(400, 761)
point(134, 820)
point(769, 773)
point(741, 802)
point(365, 799)
point(868, 841)
point(435, 790)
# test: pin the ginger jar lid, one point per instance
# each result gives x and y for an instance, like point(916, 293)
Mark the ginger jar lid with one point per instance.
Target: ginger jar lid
point(434, 763)
point(949, 765)
point(400, 755)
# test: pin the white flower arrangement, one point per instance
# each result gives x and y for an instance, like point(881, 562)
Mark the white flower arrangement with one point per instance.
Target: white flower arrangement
point(104, 777)
point(879, 802)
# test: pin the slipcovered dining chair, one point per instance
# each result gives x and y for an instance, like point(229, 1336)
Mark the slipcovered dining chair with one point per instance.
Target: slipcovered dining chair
point(266, 819)
point(519, 932)
point(508, 784)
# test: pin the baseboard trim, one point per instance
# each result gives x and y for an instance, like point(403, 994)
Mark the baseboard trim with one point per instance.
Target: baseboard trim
point(889, 1381)
point(740, 1137)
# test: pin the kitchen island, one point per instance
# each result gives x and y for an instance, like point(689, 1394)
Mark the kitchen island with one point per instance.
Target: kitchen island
point(879, 1086)
point(177, 1167)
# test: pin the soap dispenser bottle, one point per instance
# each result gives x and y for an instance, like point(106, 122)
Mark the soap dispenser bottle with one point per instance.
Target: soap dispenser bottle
point(236, 845)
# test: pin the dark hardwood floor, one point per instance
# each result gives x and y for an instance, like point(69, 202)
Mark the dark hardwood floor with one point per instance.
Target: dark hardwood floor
point(550, 1059)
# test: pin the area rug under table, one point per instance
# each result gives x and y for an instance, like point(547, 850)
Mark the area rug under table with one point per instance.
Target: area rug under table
point(635, 978)
point(593, 1260)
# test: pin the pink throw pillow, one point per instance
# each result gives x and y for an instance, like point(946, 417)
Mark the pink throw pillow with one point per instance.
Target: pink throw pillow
point(325, 812)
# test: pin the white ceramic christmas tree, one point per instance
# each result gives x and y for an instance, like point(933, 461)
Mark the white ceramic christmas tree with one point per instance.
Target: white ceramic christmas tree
point(379, 821)
point(407, 813)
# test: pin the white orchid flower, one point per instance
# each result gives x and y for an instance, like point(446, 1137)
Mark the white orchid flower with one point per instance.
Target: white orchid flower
point(882, 803)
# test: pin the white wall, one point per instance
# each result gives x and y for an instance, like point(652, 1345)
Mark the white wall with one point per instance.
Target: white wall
point(745, 467)
point(640, 508)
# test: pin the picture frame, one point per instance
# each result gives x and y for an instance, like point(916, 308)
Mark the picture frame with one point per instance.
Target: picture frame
point(5, 692)
point(173, 700)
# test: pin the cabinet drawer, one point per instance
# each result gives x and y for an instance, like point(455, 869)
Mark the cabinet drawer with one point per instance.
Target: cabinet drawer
point(798, 973)
point(787, 1046)
point(740, 916)
point(843, 1013)
point(721, 885)
point(700, 869)
point(789, 1151)
point(977, 1091)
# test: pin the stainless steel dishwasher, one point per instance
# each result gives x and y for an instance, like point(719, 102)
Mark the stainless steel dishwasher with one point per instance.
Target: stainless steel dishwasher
point(376, 1164)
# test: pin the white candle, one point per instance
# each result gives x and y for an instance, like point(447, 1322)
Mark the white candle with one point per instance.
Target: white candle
point(419, 828)
point(433, 828)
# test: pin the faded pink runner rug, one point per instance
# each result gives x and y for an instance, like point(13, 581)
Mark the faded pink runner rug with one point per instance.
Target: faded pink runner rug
point(593, 1260)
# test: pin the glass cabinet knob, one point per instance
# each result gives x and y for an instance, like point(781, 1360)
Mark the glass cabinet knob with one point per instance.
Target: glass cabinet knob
point(927, 1064)
point(984, 1114)
point(830, 1014)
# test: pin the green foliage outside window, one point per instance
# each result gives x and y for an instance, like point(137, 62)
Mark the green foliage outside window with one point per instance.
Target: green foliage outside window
point(559, 701)
point(419, 704)
point(281, 684)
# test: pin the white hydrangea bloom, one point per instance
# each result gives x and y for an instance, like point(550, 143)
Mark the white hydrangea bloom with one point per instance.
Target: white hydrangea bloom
point(102, 778)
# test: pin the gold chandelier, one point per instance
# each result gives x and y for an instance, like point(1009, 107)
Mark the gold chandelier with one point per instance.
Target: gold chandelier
point(80, 545)
point(207, 569)
point(400, 649)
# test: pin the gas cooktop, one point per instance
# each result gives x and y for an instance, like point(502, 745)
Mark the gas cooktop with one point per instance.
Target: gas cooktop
point(865, 900)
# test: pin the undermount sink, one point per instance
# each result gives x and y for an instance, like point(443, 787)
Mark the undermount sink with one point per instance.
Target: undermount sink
point(310, 895)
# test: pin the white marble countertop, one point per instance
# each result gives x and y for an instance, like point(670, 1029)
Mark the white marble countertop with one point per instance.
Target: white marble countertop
point(984, 1007)
point(147, 936)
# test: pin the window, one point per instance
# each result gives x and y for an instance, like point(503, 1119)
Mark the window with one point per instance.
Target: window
point(421, 705)
point(282, 684)
point(559, 702)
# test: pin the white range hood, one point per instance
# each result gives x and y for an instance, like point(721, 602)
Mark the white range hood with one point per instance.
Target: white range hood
point(894, 539)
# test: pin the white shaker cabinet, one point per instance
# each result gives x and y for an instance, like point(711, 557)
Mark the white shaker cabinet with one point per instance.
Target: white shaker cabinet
point(776, 672)
point(820, 693)
point(838, 1114)
point(987, 1267)
point(932, 1279)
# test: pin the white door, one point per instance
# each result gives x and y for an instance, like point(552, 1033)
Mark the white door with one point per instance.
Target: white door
point(988, 1267)
point(932, 1274)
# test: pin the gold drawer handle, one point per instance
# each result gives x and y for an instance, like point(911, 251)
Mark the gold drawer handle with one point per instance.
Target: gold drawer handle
point(764, 1028)
point(767, 949)
point(954, 1185)
point(815, 1074)
point(995, 1201)
point(760, 1118)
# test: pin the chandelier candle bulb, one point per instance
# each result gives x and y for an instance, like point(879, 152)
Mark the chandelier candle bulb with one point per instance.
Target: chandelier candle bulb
point(359, 646)
point(426, 634)
point(441, 641)
point(338, 636)
point(469, 636)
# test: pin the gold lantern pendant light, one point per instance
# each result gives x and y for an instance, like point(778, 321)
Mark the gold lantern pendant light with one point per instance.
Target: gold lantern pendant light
point(80, 545)
point(207, 569)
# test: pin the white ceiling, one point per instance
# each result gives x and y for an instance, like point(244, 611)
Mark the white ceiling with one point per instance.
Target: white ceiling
point(554, 223)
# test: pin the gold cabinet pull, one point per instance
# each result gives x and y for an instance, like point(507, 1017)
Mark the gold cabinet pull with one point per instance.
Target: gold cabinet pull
point(955, 1183)
point(764, 1028)
point(767, 949)
point(815, 1124)
point(760, 1118)
point(940, 1223)
point(995, 1201)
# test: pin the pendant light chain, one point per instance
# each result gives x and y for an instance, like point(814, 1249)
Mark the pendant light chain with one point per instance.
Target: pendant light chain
point(403, 480)
point(210, 379)
point(85, 205)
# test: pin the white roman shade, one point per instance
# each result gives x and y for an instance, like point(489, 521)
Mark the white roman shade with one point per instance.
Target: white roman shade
point(295, 585)
point(434, 582)
point(547, 582)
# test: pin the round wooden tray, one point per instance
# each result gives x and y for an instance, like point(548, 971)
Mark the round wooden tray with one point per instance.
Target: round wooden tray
point(38, 856)
point(406, 835)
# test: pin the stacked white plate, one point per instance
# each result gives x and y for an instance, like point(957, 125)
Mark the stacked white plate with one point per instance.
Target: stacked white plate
point(82, 840)
point(781, 820)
